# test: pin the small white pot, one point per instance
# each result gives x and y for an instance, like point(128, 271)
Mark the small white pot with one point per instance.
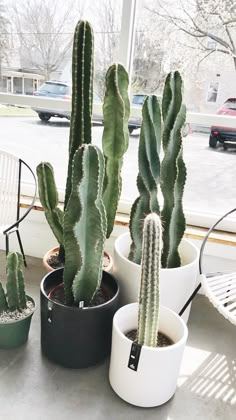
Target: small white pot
point(155, 380)
point(176, 284)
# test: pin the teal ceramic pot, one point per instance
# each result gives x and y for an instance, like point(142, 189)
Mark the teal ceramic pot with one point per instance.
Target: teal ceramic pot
point(15, 333)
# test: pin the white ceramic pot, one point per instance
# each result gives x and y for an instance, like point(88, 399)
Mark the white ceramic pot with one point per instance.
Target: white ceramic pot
point(176, 284)
point(156, 377)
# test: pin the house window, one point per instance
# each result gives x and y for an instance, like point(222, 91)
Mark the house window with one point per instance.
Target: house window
point(212, 92)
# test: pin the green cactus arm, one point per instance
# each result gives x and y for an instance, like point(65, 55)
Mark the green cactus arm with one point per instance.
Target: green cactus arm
point(148, 315)
point(86, 226)
point(3, 300)
point(82, 93)
point(140, 208)
point(171, 104)
point(49, 199)
point(21, 283)
point(177, 223)
point(149, 174)
point(172, 144)
point(116, 110)
point(12, 286)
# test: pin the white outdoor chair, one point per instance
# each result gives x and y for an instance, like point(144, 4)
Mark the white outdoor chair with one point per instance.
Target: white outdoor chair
point(219, 287)
point(10, 191)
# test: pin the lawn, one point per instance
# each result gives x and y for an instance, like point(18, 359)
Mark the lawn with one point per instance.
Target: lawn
point(13, 111)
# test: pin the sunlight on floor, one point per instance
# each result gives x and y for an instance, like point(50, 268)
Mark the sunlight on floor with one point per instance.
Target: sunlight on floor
point(209, 375)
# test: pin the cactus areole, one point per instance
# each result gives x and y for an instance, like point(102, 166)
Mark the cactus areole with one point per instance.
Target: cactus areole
point(93, 183)
point(169, 176)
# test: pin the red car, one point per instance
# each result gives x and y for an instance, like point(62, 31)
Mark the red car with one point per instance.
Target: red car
point(224, 134)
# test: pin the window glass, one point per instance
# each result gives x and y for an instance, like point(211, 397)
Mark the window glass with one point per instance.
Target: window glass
point(35, 58)
point(198, 38)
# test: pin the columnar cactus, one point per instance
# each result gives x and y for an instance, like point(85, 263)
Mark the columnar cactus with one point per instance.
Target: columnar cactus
point(15, 298)
point(173, 170)
point(170, 174)
point(148, 315)
point(149, 174)
point(82, 94)
point(49, 199)
point(116, 109)
point(81, 228)
point(85, 226)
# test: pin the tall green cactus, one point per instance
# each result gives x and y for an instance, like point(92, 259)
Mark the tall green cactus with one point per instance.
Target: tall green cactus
point(15, 298)
point(82, 228)
point(170, 175)
point(82, 94)
point(116, 109)
point(173, 171)
point(148, 315)
point(149, 174)
point(85, 226)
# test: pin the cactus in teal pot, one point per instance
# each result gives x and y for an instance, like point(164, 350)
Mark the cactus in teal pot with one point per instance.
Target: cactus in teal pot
point(15, 297)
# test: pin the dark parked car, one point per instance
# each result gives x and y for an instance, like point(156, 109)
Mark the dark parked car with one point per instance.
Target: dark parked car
point(57, 90)
point(224, 134)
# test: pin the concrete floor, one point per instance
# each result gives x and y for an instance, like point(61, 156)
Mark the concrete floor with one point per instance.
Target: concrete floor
point(33, 388)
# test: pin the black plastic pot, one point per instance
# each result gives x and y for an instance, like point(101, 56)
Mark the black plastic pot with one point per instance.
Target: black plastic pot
point(76, 337)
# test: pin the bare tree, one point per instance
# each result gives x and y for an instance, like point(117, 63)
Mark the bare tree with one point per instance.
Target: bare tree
point(211, 24)
point(4, 38)
point(107, 32)
point(45, 32)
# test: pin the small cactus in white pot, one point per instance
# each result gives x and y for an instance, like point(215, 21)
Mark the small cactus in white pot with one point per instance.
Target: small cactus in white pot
point(144, 372)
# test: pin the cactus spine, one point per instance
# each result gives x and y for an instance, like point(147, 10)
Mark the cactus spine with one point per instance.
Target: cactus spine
point(149, 174)
point(116, 109)
point(85, 226)
point(170, 175)
point(148, 315)
point(15, 298)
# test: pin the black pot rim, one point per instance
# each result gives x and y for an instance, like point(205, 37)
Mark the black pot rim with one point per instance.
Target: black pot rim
point(88, 308)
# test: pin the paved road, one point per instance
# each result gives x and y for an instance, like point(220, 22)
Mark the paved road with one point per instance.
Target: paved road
point(210, 188)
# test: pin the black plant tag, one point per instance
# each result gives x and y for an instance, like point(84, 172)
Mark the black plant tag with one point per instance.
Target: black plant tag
point(134, 356)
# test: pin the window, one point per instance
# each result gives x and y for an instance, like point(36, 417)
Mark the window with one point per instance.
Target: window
point(167, 37)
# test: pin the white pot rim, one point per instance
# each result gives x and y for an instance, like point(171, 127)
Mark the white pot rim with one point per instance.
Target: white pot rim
point(179, 343)
point(125, 234)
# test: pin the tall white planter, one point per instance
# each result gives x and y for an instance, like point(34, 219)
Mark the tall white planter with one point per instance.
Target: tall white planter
point(155, 380)
point(176, 284)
